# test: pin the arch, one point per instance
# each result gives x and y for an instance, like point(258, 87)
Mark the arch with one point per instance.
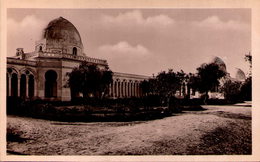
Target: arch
point(31, 86)
point(50, 84)
point(28, 71)
point(12, 70)
point(40, 48)
point(14, 85)
point(74, 51)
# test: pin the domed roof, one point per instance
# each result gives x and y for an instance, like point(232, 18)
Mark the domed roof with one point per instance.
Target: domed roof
point(220, 63)
point(240, 75)
point(63, 32)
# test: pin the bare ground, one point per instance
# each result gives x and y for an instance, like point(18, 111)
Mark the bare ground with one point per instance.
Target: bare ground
point(217, 130)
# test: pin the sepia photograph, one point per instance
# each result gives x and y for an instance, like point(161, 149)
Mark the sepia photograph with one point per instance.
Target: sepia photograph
point(129, 82)
point(140, 82)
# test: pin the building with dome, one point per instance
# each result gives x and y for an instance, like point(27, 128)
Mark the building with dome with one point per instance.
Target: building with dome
point(221, 64)
point(41, 74)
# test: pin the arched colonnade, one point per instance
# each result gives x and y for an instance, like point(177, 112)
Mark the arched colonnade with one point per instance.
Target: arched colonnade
point(20, 83)
point(125, 89)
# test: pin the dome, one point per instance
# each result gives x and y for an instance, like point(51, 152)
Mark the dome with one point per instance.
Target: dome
point(220, 63)
point(62, 35)
point(240, 75)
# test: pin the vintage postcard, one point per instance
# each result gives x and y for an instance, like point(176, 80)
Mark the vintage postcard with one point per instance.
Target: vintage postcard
point(129, 80)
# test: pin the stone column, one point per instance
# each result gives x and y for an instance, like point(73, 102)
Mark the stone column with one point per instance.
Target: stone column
point(126, 89)
point(131, 89)
point(135, 89)
point(118, 89)
point(18, 86)
point(9, 84)
point(123, 89)
point(35, 87)
point(27, 87)
point(109, 90)
point(113, 91)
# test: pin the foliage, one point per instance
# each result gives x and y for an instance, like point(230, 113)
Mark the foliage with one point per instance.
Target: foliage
point(248, 58)
point(89, 80)
point(232, 90)
point(246, 89)
point(208, 77)
point(193, 81)
point(164, 84)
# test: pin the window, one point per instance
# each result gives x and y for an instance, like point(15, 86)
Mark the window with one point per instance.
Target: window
point(74, 51)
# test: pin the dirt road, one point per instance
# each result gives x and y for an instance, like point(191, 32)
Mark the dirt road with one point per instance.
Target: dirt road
point(217, 130)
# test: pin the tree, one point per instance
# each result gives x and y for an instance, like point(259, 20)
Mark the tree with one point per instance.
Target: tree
point(232, 90)
point(246, 88)
point(208, 77)
point(89, 80)
point(193, 81)
point(248, 58)
point(164, 84)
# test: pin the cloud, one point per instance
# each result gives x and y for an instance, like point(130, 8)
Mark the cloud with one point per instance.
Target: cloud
point(136, 17)
point(123, 48)
point(214, 22)
point(24, 33)
point(122, 56)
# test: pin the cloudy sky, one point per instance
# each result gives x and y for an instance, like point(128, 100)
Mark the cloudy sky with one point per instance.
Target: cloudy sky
point(145, 41)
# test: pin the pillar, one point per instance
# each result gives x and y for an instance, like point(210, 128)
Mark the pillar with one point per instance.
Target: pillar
point(123, 89)
point(35, 87)
point(126, 89)
point(9, 84)
point(19, 84)
point(27, 87)
point(109, 90)
point(118, 89)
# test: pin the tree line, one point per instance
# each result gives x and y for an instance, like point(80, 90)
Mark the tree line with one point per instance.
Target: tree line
point(92, 81)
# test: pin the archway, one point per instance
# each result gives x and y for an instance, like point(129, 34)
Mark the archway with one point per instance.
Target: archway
point(50, 84)
point(23, 86)
point(31, 86)
point(14, 85)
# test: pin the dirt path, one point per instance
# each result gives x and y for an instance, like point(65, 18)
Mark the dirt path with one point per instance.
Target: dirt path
point(200, 132)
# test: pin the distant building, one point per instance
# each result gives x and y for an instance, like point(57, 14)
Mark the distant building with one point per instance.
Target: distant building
point(42, 73)
point(216, 93)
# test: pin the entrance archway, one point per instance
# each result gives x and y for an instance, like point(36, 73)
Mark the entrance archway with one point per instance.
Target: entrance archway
point(23, 86)
point(14, 85)
point(50, 84)
point(31, 86)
